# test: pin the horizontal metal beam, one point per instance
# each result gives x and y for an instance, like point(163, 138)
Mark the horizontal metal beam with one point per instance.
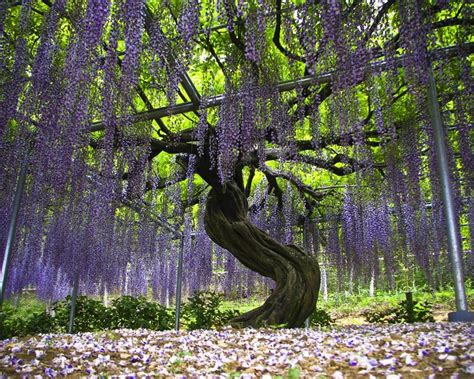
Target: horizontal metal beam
point(281, 87)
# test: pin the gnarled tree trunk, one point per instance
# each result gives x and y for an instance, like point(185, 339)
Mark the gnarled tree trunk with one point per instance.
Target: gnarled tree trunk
point(295, 272)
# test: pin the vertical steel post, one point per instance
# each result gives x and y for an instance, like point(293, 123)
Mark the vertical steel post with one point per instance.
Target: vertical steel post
point(12, 228)
point(409, 307)
point(179, 278)
point(454, 244)
point(308, 248)
point(72, 313)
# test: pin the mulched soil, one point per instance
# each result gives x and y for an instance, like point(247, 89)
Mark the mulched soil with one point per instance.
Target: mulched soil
point(392, 351)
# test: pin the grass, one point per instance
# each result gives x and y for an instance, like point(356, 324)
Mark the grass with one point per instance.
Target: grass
point(26, 304)
point(242, 305)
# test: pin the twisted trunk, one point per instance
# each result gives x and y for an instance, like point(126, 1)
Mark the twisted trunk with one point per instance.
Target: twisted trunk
point(295, 272)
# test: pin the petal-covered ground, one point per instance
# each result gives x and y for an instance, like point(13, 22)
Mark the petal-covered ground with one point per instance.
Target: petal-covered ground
point(416, 350)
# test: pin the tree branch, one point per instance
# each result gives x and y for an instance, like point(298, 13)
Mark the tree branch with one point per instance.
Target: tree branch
point(248, 185)
point(378, 18)
point(273, 185)
point(233, 37)
point(207, 44)
point(303, 188)
point(276, 36)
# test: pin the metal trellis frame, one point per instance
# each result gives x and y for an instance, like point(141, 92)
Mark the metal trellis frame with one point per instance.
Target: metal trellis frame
point(179, 277)
point(12, 227)
point(281, 87)
point(454, 244)
point(72, 313)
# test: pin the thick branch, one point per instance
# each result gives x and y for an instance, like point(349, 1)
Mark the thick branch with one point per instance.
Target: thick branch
point(276, 36)
point(303, 188)
point(248, 185)
point(383, 11)
point(171, 147)
point(273, 186)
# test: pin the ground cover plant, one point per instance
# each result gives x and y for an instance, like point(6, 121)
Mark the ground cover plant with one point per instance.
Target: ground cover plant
point(203, 311)
point(402, 350)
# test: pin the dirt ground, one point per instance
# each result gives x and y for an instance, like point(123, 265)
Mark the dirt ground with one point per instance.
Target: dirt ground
point(369, 350)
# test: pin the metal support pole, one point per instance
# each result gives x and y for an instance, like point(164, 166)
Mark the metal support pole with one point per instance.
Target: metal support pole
point(179, 278)
point(72, 313)
point(409, 307)
point(307, 248)
point(454, 244)
point(12, 228)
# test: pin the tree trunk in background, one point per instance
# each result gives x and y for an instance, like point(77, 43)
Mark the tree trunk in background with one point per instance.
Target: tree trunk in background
point(324, 281)
point(106, 297)
point(351, 281)
point(295, 272)
point(372, 284)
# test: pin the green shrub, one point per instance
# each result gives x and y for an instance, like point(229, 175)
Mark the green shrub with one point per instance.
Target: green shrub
point(321, 318)
point(202, 311)
point(125, 312)
point(137, 312)
point(399, 314)
point(15, 322)
point(39, 322)
point(91, 315)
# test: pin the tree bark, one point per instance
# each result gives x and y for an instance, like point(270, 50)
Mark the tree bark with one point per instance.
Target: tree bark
point(295, 272)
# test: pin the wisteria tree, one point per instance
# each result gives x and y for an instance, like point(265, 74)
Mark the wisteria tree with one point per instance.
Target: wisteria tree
point(289, 118)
